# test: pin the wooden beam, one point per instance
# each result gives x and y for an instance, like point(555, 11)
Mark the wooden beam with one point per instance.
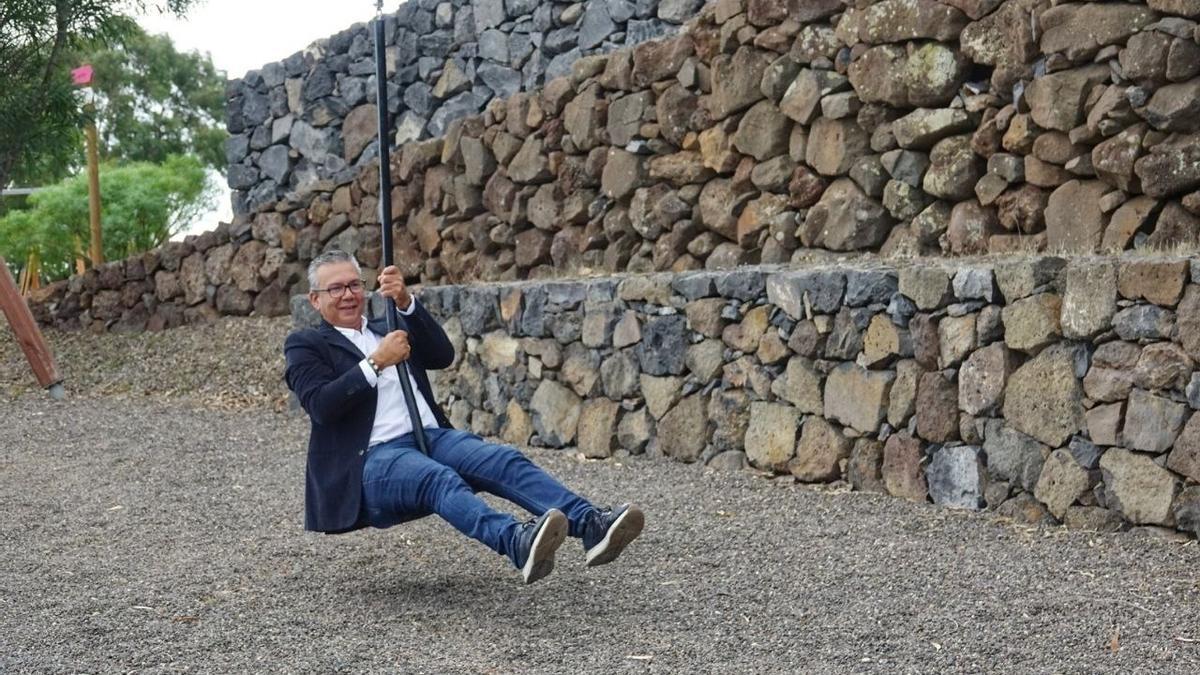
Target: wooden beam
point(26, 330)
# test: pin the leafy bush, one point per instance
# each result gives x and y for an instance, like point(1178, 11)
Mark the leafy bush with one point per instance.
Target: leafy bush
point(142, 206)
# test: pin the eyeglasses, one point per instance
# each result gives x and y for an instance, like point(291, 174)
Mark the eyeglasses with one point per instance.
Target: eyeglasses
point(336, 291)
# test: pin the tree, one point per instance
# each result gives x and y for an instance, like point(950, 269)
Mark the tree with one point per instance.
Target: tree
point(144, 205)
point(39, 119)
point(153, 101)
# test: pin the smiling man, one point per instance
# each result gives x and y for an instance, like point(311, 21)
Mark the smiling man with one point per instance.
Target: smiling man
point(364, 467)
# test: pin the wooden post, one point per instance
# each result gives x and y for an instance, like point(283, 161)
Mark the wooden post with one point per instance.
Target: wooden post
point(35, 270)
point(26, 330)
point(80, 260)
point(93, 160)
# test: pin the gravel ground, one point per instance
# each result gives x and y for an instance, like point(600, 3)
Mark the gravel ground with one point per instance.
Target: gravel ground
point(152, 525)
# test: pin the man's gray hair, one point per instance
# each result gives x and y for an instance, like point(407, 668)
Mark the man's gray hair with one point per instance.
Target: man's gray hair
point(330, 257)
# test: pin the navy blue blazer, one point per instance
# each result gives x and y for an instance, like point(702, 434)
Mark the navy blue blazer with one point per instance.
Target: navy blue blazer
point(323, 371)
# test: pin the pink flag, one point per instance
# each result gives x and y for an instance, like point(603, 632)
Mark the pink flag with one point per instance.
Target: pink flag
point(82, 75)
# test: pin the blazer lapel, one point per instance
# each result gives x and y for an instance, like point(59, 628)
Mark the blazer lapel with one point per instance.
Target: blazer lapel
point(379, 325)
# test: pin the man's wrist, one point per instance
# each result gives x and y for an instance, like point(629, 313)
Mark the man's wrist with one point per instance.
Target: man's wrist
point(374, 364)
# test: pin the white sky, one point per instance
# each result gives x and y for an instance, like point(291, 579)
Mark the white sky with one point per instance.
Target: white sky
point(243, 35)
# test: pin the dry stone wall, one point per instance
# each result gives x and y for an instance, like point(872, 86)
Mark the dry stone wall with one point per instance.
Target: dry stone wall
point(767, 132)
point(1050, 390)
point(307, 121)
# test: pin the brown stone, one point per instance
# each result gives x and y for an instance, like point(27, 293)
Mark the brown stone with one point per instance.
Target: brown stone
point(1144, 59)
point(885, 341)
point(1080, 30)
point(1061, 483)
point(1157, 281)
point(954, 169)
point(865, 468)
point(736, 81)
point(971, 227)
point(1188, 321)
point(719, 207)
point(1104, 423)
point(683, 430)
point(1129, 219)
point(1043, 174)
point(1032, 323)
point(1004, 39)
point(1171, 168)
point(922, 128)
point(1185, 455)
point(598, 427)
point(1152, 422)
point(856, 396)
point(358, 131)
point(903, 395)
point(819, 452)
point(982, 379)
point(1043, 398)
point(1090, 298)
point(900, 20)
point(1056, 101)
point(1114, 159)
point(834, 145)
point(1174, 107)
point(802, 99)
point(1175, 228)
point(1188, 8)
point(902, 473)
point(624, 172)
point(771, 12)
point(1162, 366)
point(1139, 489)
point(771, 436)
point(846, 219)
point(1022, 209)
point(763, 132)
point(1183, 60)
point(956, 339)
point(660, 59)
point(937, 409)
point(583, 118)
point(1074, 220)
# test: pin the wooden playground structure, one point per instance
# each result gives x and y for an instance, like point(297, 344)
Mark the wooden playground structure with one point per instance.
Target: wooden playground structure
point(28, 335)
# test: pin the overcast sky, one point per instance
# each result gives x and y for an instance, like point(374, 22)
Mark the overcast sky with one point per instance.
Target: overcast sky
point(242, 35)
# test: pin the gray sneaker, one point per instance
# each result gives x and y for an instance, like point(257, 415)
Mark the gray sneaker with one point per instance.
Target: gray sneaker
point(608, 531)
point(536, 542)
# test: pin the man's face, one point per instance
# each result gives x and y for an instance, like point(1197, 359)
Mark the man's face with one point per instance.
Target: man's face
point(343, 312)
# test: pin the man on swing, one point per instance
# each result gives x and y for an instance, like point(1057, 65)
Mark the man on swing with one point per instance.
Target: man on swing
point(364, 466)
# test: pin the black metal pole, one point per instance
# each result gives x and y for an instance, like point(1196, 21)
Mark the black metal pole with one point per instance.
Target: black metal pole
point(385, 220)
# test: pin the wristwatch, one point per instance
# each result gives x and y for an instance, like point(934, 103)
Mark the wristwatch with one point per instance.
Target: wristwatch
point(374, 366)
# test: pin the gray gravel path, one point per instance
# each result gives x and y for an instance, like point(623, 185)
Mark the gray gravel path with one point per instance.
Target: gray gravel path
point(158, 536)
point(152, 523)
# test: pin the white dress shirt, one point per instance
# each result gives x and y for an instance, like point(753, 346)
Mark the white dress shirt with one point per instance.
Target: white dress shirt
point(391, 414)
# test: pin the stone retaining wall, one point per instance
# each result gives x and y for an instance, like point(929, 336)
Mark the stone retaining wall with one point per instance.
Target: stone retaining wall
point(306, 122)
point(768, 131)
point(1049, 390)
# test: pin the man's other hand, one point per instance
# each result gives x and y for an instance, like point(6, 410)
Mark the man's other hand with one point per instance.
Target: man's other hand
point(391, 285)
point(393, 349)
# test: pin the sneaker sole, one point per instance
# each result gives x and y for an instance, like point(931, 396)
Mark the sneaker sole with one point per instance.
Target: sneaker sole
point(541, 554)
point(626, 529)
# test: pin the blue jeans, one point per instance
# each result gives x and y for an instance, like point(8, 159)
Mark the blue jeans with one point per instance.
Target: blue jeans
point(400, 483)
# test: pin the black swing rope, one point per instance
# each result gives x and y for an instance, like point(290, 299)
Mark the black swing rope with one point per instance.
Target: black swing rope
point(385, 219)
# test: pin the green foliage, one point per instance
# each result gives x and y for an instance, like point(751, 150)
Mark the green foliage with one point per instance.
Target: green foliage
point(142, 206)
point(39, 114)
point(153, 101)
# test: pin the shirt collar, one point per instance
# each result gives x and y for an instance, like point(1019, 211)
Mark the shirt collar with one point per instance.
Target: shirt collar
point(352, 333)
